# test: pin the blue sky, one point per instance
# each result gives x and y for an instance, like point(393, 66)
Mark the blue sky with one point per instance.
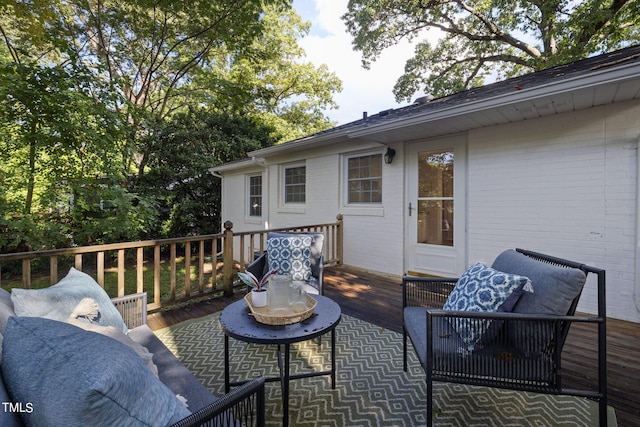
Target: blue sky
point(329, 43)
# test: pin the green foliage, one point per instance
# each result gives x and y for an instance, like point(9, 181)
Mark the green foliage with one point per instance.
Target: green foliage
point(112, 113)
point(271, 81)
point(178, 171)
point(55, 141)
point(462, 44)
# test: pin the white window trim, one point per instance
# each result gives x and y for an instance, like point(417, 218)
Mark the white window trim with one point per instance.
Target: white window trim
point(283, 202)
point(360, 209)
point(248, 217)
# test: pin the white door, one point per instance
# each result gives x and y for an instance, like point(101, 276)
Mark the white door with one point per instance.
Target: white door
point(436, 211)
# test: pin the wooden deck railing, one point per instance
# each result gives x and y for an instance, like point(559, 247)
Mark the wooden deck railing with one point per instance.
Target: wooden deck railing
point(169, 270)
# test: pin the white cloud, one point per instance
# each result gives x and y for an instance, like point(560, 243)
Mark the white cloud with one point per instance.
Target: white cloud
point(329, 43)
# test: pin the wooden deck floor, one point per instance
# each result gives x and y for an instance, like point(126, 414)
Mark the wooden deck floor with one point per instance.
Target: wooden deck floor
point(378, 299)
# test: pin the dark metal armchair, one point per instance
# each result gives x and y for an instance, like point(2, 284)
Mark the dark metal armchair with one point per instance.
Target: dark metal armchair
point(313, 284)
point(523, 352)
point(243, 406)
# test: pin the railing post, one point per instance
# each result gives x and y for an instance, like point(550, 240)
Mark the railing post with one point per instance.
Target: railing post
point(26, 273)
point(227, 259)
point(339, 238)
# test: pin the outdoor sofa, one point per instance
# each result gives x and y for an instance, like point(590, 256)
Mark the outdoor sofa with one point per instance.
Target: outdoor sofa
point(110, 371)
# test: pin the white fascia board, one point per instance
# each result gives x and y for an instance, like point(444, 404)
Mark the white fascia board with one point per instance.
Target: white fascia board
point(575, 84)
point(301, 144)
point(241, 164)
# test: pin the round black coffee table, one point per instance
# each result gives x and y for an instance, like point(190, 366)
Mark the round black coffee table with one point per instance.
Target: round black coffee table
point(237, 322)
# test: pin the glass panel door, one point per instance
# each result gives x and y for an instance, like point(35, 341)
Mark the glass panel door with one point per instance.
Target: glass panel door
point(435, 197)
point(435, 241)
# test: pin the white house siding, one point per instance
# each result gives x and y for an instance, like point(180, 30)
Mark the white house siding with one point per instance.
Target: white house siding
point(234, 200)
point(563, 185)
point(372, 234)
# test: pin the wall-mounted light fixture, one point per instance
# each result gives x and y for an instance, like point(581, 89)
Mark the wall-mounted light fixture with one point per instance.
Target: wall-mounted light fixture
point(389, 155)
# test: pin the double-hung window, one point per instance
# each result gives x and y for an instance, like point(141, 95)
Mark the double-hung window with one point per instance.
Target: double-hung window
point(255, 196)
point(364, 179)
point(295, 184)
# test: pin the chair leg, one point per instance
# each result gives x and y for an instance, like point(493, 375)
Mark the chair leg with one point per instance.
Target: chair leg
point(404, 349)
point(429, 403)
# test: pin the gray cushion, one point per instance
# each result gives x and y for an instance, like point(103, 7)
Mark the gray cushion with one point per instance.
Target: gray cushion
point(450, 357)
point(171, 372)
point(554, 289)
point(446, 341)
point(6, 309)
point(58, 301)
point(74, 377)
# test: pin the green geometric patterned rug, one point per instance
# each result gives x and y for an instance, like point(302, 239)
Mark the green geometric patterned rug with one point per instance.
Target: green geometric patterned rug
point(371, 387)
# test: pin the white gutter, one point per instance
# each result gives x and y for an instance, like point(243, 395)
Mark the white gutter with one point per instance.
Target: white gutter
point(231, 166)
point(636, 290)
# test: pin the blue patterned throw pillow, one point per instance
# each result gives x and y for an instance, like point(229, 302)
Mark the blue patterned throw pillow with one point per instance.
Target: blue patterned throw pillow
point(483, 289)
point(290, 256)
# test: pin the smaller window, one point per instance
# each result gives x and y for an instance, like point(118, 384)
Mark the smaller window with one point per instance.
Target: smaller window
point(255, 196)
point(295, 184)
point(364, 179)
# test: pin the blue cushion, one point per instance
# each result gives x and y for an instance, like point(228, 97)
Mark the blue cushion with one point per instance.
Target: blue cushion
point(445, 340)
point(10, 416)
point(290, 256)
point(555, 288)
point(482, 289)
point(73, 377)
point(58, 301)
point(317, 243)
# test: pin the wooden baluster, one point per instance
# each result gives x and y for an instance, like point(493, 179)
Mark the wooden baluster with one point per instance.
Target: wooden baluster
point(201, 256)
point(172, 268)
point(140, 270)
point(53, 269)
point(187, 269)
point(26, 273)
point(100, 268)
point(156, 274)
point(121, 271)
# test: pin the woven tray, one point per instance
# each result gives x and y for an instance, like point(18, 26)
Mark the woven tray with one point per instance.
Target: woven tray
point(264, 315)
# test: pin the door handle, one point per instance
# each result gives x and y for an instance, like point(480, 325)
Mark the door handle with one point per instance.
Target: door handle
point(410, 208)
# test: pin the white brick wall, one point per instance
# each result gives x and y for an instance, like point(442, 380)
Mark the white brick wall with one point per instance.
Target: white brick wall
point(563, 185)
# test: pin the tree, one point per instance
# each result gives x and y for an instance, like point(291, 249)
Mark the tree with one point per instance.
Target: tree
point(57, 165)
point(164, 56)
point(179, 176)
point(488, 39)
point(90, 91)
point(278, 86)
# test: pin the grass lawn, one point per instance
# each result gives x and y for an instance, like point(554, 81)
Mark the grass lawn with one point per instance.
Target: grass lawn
point(40, 276)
